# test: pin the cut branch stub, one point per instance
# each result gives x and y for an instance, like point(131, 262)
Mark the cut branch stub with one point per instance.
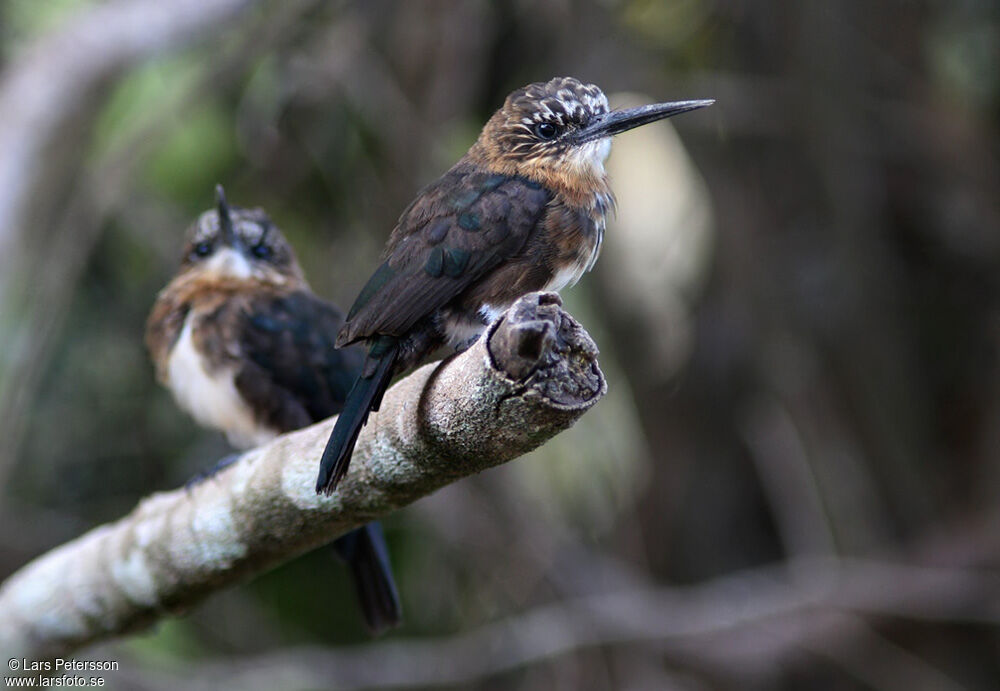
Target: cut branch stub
point(540, 345)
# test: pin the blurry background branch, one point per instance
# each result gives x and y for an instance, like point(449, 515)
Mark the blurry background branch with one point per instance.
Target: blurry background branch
point(48, 86)
point(532, 377)
point(745, 626)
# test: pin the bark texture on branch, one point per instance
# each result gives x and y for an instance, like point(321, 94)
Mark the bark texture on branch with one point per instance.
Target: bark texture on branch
point(533, 375)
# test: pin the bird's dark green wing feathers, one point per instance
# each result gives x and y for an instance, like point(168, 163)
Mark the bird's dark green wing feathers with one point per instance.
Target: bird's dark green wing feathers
point(455, 231)
point(290, 361)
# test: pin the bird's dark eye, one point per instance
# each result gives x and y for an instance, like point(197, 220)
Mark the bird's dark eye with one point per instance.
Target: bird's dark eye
point(261, 251)
point(546, 130)
point(202, 249)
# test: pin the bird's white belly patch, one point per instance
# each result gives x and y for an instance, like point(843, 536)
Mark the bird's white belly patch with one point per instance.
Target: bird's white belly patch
point(211, 397)
point(461, 332)
point(565, 278)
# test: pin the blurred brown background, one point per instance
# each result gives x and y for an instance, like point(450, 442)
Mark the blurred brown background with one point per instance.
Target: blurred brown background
point(798, 464)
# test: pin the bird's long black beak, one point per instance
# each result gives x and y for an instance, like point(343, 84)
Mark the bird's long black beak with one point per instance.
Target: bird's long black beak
point(229, 237)
point(618, 121)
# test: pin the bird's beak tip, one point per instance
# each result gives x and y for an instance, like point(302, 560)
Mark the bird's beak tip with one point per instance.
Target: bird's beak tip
point(225, 220)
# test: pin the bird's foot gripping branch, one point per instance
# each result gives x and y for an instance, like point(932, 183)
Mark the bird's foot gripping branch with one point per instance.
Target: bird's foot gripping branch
point(532, 375)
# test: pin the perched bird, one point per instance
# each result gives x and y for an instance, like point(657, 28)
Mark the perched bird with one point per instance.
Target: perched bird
point(246, 348)
point(523, 210)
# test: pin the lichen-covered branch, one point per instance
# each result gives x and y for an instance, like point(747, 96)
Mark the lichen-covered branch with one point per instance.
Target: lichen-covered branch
point(532, 375)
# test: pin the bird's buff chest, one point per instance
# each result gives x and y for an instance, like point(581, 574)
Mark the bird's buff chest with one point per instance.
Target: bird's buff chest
point(576, 265)
point(208, 392)
point(577, 235)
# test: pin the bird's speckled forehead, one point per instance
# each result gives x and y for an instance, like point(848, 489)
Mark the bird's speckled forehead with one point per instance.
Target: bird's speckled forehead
point(249, 224)
point(564, 100)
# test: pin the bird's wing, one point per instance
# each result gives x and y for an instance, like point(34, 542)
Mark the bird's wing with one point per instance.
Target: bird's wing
point(456, 231)
point(289, 361)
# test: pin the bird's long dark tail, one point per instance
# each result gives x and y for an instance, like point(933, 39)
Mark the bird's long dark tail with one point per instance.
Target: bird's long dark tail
point(367, 555)
point(365, 396)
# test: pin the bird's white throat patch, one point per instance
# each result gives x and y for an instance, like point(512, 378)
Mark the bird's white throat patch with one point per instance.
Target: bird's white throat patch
point(228, 263)
point(591, 156)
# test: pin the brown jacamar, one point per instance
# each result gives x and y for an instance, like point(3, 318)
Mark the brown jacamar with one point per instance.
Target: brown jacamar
point(246, 348)
point(523, 210)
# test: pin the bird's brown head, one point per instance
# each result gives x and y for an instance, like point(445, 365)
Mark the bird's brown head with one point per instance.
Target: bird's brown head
point(559, 133)
point(233, 244)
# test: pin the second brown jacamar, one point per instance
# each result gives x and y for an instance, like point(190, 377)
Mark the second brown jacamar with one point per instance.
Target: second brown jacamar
point(247, 348)
point(523, 210)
